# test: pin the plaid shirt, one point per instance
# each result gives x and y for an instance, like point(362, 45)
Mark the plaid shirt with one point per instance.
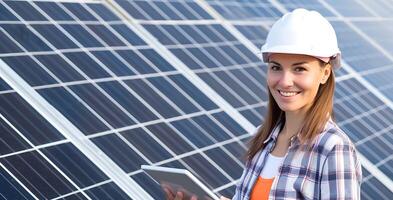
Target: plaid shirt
point(331, 170)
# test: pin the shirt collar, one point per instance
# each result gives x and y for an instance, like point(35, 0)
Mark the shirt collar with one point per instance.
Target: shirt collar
point(277, 129)
point(274, 134)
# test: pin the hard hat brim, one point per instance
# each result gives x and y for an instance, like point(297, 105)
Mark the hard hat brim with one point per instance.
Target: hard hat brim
point(335, 58)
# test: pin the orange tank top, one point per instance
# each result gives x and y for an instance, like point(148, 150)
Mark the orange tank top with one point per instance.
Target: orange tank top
point(261, 189)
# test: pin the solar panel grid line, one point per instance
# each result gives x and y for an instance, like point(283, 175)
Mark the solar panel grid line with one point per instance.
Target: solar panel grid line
point(138, 151)
point(360, 32)
point(78, 189)
point(279, 6)
point(186, 72)
point(231, 75)
point(363, 114)
point(72, 133)
point(228, 26)
point(106, 24)
point(182, 15)
point(378, 174)
point(370, 10)
point(199, 150)
point(18, 181)
point(87, 28)
point(216, 77)
point(113, 101)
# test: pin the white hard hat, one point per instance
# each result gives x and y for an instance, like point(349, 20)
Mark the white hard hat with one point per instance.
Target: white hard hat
point(303, 32)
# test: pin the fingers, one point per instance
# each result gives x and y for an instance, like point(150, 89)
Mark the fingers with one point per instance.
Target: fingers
point(224, 198)
point(168, 194)
point(179, 196)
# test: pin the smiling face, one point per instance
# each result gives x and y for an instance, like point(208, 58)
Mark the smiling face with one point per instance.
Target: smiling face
point(293, 80)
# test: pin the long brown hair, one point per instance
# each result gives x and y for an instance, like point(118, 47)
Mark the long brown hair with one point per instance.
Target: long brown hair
point(316, 118)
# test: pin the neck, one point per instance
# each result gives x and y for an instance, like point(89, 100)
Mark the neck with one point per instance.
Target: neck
point(293, 123)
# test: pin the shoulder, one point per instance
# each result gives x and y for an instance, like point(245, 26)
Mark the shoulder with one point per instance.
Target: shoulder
point(333, 138)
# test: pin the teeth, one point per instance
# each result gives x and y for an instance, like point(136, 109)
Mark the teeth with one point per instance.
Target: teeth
point(288, 94)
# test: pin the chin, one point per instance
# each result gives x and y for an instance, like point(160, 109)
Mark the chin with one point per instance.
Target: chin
point(286, 108)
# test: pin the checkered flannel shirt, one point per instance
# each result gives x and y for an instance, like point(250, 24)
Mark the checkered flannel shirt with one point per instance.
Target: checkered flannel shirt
point(331, 170)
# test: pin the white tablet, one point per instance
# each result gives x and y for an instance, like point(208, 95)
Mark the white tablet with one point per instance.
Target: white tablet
point(179, 178)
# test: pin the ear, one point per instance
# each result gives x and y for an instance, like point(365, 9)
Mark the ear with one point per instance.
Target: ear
point(326, 71)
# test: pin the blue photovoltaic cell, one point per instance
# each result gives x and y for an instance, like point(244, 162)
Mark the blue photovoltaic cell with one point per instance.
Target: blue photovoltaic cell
point(370, 185)
point(156, 60)
point(193, 133)
point(26, 11)
point(107, 191)
point(357, 52)
point(354, 10)
point(247, 10)
point(211, 128)
point(90, 67)
point(6, 15)
point(60, 68)
point(81, 35)
point(311, 5)
point(79, 11)
point(170, 138)
point(128, 101)
point(104, 33)
point(54, 11)
point(146, 182)
point(25, 37)
point(128, 34)
point(73, 110)
point(120, 152)
point(26, 120)
point(113, 63)
point(104, 12)
point(227, 163)
point(28, 69)
point(8, 46)
point(55, 36)
point(173, 94)
point(255, 34)
point(42, 179)
point(136, 61)
point(208, 173)
point(380, 32)
point(151, 97)
point(229, 123)
point(4, 85)
point(76, 166)
point(146, 144)
point(104, 107)
point(10, 189)
point(10, 141)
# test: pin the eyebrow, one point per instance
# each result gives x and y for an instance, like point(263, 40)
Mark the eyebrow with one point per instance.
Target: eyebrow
point(294, 64)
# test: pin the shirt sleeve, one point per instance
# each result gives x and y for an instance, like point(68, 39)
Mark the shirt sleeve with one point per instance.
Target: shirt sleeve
point(341, 174)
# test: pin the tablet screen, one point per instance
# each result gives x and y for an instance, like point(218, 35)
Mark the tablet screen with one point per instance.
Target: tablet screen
point(179, 179)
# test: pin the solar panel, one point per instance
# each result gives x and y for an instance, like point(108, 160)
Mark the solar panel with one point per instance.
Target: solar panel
point(90, 90)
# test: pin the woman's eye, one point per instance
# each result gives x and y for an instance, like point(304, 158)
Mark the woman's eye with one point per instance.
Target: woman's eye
point(300, 69)
point(275, 68)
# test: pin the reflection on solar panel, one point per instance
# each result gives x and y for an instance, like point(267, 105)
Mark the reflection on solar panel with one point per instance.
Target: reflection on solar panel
point(90, 90)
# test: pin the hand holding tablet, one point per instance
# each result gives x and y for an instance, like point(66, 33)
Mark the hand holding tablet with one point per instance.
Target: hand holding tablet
point(179, 183)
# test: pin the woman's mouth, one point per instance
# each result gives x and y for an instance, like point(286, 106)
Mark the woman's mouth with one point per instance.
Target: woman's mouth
point(288, 93)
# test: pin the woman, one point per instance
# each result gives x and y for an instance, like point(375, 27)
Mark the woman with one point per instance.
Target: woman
point(299, 152)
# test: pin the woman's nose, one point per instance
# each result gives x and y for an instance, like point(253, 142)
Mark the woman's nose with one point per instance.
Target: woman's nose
point(286, 79)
